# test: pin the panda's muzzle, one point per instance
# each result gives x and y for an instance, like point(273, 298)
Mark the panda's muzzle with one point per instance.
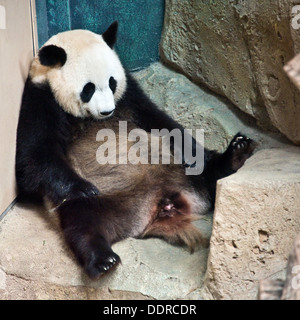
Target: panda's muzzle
point(99, 103)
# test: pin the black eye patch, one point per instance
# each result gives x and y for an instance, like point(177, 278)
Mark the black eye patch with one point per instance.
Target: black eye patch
point(87, 92)
point(112, 84)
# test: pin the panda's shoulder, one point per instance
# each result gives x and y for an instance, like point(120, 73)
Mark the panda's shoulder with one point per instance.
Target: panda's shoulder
point(39, 106)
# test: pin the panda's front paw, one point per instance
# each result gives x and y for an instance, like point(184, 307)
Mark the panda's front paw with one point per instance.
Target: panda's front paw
point(101, 261)
point(239, 150)
point(83, 189)
point(73, 189)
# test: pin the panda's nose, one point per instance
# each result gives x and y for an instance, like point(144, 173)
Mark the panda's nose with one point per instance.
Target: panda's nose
point(106, 113)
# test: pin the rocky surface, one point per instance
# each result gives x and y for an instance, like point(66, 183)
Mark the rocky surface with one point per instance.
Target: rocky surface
point(256, 220)
point(238, 49)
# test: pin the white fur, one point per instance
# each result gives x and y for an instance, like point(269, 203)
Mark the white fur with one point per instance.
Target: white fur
point(89, 59)
point(199, 205)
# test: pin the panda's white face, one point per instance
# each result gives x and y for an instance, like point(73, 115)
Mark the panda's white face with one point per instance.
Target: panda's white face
point(91, 80)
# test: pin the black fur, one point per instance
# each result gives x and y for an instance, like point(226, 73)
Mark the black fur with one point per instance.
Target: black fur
point(52, 55)
point(87, 92)
point(112, 84)
point(110, 35)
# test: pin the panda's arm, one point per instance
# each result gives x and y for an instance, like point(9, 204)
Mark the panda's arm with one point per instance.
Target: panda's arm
point(42, 138)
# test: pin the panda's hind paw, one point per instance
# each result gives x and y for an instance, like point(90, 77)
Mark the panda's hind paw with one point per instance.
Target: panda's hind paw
point(240, 149)
point(101, 262)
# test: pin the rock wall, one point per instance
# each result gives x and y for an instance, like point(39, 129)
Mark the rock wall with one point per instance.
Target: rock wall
point(238, 49)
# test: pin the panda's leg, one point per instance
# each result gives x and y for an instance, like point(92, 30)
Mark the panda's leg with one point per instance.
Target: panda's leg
point(89, 234)
point(222, 165)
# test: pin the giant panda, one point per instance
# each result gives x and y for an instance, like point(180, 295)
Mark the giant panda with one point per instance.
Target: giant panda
point(75, 87)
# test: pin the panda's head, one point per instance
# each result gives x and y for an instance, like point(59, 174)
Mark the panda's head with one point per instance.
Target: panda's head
point(83, 72)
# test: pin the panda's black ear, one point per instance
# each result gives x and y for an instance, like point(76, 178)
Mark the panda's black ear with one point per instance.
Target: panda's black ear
point(110, 35)
point(52, 55)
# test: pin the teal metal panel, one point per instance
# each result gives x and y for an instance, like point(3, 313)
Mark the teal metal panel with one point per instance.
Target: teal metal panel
point(140, 24)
